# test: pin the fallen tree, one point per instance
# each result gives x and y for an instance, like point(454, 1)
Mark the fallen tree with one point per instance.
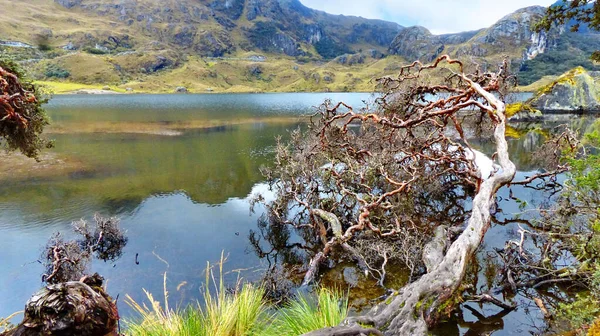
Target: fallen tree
point(370, 173)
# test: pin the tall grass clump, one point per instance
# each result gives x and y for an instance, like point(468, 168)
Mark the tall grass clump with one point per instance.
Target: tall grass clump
point(305, 313)
point(243, 311)
point(237, 313)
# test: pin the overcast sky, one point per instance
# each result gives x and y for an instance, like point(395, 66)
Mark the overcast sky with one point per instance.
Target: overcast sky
point(439, 16)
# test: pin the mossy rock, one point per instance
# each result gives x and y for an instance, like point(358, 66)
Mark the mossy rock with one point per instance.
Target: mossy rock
point(523, 112)
point(574, 91)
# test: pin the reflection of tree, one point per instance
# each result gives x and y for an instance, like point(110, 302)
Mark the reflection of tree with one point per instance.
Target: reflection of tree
point(484, 325)
point(280, 244)
point(69, 260)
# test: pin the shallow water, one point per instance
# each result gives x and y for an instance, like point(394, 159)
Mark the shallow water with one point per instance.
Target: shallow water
point(182, 199)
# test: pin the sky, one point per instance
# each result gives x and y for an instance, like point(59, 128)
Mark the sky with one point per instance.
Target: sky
point(439, 16)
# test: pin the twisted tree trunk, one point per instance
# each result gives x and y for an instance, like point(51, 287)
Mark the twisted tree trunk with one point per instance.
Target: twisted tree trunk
point(415, 306)
point(66, 309)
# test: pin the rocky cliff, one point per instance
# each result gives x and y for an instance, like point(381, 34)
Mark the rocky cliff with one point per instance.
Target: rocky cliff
point(512, 35)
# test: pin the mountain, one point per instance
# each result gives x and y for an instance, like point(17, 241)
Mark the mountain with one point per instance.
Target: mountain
point(533, 54)
point(512, 36)
point(257, 45)
point(202, 27)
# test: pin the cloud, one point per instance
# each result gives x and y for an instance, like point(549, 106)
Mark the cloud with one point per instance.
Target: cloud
point(439, 16)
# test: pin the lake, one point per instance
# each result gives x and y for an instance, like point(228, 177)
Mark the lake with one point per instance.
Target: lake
point(178, 170)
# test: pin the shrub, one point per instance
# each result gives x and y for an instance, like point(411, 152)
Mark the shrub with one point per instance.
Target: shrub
point(54, 71)
point(22, 118)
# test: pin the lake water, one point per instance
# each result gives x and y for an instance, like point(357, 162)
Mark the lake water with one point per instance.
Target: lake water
point(181, 191)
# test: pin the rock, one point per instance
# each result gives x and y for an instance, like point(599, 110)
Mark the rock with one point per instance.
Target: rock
point(512, 32)
point(214, 44)
point(257, 58)
point(253, 9)
point(101, 48)
point(181, 89)
point(316, 77)
point(576, 90)
point(129, 89)
point(352, 59)
point(255, 70)
point(68, 3)
point(267, 37)
point(376, 54)
point(106, 88)
point(523, 112)
point(70, 46)
point(417, 43)
point(157, 63)
point(351, 276)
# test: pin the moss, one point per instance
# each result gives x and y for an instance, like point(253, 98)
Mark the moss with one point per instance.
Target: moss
point(567, 78)
point(514, 133)
point(516, 108)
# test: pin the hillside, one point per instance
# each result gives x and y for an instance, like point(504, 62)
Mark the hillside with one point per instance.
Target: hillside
point(212, 28)
point(255, 45)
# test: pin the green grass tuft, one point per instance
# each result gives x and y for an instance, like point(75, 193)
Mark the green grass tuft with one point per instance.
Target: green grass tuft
point(305, 313)
point(241, 312)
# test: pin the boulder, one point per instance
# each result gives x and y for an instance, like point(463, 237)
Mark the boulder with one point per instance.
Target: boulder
point(255, 70)
point(574, 91)
point(181, 89)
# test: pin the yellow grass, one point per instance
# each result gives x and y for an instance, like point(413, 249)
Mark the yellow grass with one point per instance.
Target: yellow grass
point(69, 87)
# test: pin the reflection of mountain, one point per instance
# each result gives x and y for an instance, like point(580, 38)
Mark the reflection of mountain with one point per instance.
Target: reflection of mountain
point(209, 166)
point(532, 135)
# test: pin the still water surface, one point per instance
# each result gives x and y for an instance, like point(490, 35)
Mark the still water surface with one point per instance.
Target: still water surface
point(182, 199)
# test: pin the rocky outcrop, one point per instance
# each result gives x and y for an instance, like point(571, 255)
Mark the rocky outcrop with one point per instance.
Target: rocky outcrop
point(514, 29)
point(512, 33)
point(213, 44)
point(348, 59)
point(417, 43)
point(268, 37)
point(576, 90)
